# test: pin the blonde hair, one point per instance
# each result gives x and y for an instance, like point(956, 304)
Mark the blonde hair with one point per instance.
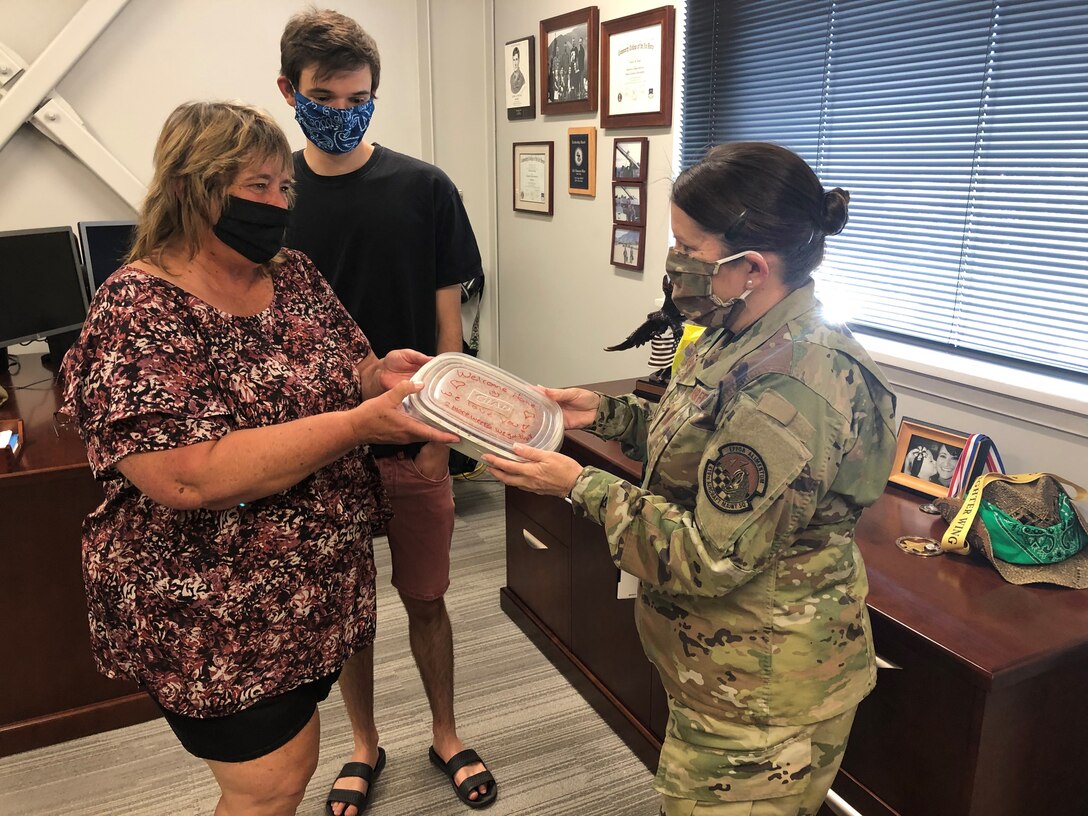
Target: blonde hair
point(201, 150)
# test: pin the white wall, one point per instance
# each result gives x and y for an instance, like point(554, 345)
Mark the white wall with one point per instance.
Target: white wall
point(159, 53)
point(561, 301)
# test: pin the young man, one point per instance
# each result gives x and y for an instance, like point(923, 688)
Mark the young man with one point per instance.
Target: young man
point(391, 235)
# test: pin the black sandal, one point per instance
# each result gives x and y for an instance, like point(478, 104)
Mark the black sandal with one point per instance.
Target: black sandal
point(344, 796)
point(469, 784)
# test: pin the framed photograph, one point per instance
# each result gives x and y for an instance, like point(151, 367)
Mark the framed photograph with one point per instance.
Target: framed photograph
point(582, 156)
point(926, 457)
point(636, 69)
point(627, 204)
point(520, 88)
point(628, 245)
point(534, 179)
point(629, 158)
point(568, 62)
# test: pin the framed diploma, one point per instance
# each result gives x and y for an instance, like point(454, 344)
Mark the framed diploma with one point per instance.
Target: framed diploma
point(636, 69)
point(568, 62)
point(629, 157)
point(582, 155)
point(533, 178)
point(628, 245)
point(627, 204)
point(518, 84)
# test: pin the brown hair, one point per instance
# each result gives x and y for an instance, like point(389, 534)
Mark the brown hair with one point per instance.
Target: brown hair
point(330, 41)
point(761, 196)
point(201, 150)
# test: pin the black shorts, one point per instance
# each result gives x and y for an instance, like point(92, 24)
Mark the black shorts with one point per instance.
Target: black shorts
point(255, 731)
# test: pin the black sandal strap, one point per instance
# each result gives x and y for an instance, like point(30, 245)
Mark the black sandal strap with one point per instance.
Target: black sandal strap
point(471, 783)
point(343, 796)
point(358, 769)
point(460, 760)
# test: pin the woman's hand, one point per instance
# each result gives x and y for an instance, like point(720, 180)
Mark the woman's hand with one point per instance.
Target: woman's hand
point(579, 405)
point(920, 463)
point(551, 474)
point(382, 419)
point(377, 376)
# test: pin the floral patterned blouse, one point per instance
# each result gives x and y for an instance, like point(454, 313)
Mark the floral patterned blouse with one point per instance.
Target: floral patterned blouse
point(212, 610)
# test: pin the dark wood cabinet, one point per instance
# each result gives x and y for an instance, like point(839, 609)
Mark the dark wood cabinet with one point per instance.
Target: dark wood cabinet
point(979, 706)
point(50, 690)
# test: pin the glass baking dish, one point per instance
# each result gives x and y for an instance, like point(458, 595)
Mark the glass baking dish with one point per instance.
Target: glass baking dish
point(490, 409)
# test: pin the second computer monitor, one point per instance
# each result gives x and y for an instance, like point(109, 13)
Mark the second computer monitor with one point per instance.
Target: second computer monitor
point(105, 245)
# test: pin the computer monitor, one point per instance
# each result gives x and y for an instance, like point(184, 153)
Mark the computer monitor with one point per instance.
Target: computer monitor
point(105, 245)
point(41, 284)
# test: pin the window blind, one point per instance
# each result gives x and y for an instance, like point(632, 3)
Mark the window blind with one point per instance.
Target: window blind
point(960, 128)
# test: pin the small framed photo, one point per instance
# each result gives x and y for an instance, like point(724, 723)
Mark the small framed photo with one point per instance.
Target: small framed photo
point(629, 158)
point(926, 457)
point(582, 156)
point(519, 85)
point(636, 69)
point(568, 62)
point(627, 203)
point(534, 179)
point(628, 245)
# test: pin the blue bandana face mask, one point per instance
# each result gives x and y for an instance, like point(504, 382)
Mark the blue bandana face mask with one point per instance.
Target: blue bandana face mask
point(334, 130)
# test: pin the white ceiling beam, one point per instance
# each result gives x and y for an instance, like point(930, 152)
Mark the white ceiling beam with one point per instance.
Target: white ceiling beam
point(59, 122)
point(38, 81)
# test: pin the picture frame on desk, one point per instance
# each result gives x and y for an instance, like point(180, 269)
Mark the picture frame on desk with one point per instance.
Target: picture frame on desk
point(926, 456)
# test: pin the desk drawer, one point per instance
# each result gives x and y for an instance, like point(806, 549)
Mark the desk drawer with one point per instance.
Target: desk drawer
point(914, 739)
point(538, 571)
point(552, 513)
point(603, 633)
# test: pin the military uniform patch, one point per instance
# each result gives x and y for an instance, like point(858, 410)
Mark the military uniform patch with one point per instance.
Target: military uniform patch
point(736, 477)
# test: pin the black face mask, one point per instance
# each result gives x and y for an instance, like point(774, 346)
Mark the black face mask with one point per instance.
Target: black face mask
point(252, 229)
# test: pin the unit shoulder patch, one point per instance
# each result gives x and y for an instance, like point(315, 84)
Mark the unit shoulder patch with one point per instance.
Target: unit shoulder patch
point(736, 476)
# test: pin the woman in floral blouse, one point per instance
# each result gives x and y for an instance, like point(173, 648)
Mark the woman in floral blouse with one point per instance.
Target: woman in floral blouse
point(226, 399)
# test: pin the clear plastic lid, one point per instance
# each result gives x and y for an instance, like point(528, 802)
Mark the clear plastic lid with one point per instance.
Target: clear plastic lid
point(484, 405)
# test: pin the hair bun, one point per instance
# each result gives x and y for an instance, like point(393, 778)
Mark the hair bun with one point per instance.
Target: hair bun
point(834, 212)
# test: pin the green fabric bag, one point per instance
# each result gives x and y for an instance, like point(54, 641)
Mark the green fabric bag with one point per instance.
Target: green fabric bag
point(1020, 542)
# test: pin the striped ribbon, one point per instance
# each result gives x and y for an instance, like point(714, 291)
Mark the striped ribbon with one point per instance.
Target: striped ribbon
point(968, 457)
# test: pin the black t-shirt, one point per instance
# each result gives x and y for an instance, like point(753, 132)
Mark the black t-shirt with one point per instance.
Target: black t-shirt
point(386, 236)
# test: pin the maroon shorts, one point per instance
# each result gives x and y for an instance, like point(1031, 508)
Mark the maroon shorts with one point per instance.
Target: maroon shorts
point(421, 529)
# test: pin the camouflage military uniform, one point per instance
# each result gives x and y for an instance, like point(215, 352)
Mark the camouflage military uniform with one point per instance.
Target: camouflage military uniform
point(758, 462)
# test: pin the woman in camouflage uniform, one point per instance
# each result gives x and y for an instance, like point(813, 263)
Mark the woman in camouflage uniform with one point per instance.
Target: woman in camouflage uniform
point(775, 432)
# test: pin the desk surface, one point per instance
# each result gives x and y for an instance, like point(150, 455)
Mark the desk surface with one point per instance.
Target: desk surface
point(995, 632)
point(33, 397)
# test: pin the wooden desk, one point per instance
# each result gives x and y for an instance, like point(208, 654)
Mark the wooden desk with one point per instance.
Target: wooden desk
point(985, 712)
point(50, 690)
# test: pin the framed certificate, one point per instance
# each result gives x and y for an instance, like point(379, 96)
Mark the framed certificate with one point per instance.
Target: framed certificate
point(568, 62)
point(520, 61)
point(534, 180)
point(628, 245)
point(636, 69)
point(582, 155)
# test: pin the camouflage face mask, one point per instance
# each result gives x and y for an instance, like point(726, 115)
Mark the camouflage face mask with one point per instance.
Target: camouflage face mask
point(693, 290)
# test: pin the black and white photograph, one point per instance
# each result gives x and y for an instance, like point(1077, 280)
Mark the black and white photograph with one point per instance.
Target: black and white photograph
point(629, 159)
point(627, 204)
point(927, 455)
point(568, 62)
point(627, 246)
point(518, 85)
